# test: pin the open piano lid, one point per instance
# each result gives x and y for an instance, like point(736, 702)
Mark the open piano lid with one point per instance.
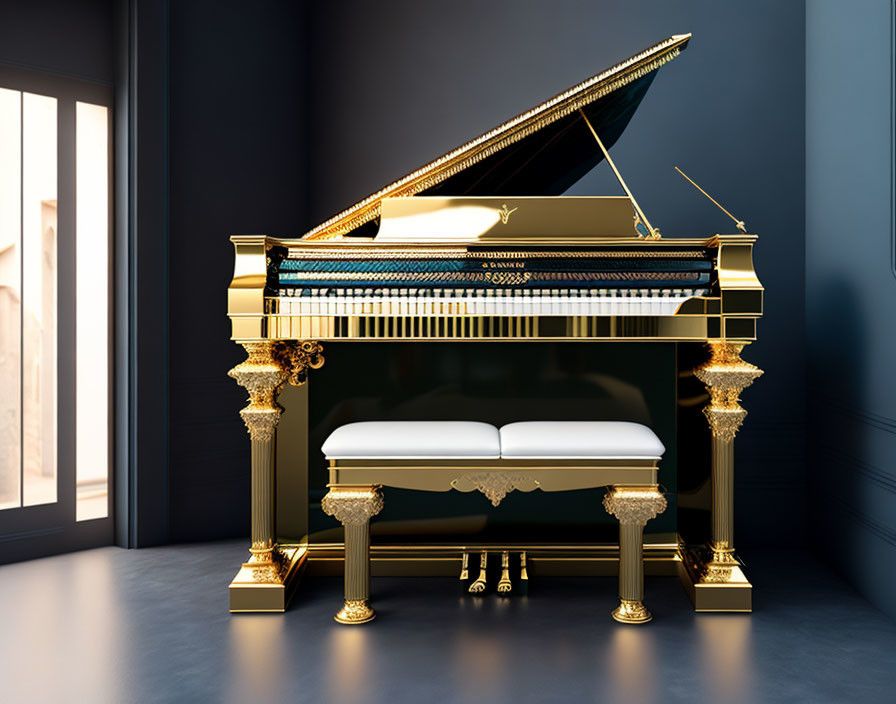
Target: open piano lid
point(541, 152)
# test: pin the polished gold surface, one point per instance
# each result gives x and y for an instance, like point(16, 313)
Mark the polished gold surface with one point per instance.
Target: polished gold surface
point(504, 135)
point(354, 507)
point(633, 506)
point(261, 376)
point(248, 593)
point(661, 558)
point(725, 375)
point(504, 584)
point(355, 611)
point(484, 219)
point(465, 567)
point(478, 587)
point(729, 313)
point(494, 478)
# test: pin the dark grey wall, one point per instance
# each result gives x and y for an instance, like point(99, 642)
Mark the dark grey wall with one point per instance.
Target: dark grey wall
point(851, 290)
point(237, 166)
point(266, 117)
point(395, 84)
point(69, 38)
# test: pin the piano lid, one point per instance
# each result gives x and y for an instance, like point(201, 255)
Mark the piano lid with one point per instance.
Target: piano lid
point(541, 152)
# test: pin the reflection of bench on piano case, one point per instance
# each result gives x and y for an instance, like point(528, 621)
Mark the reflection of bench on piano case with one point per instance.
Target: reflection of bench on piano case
point(468, 456)
point(479, 245)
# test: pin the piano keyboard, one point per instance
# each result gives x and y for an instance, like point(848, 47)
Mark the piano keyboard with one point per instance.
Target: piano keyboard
point(490, 302)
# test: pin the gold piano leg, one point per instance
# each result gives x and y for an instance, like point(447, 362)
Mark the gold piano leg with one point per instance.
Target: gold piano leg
point(262, 582)
point(719, 584)
point(354, 507)
point(633, 506)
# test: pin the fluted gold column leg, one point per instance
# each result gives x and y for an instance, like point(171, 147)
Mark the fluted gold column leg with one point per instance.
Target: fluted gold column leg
point(354, 507)
point(633, 506)
point(262, 376)
point(268, 366)
point(725, 375)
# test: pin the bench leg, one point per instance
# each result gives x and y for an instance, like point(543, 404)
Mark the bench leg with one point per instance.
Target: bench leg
point(353, 507)
point(633, 506)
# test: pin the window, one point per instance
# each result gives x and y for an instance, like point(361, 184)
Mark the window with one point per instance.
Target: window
point(55, 283)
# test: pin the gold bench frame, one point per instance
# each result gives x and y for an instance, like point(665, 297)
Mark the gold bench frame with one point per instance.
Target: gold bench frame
point(355, 496)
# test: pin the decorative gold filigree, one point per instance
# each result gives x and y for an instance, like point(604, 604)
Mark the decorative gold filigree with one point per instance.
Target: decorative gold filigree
point(352, 506)
point(630, 611)
point(724, 422)
point(268, 566)
point(495, 485)
point(296, 358)
point(507, 278)
point(261, 422)
point(720, 568)
point(726, 375)
point(261, 375)
point(635, 505)
point(355, 611)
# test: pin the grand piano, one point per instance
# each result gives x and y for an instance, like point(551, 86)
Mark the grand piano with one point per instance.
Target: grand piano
point(481, 245)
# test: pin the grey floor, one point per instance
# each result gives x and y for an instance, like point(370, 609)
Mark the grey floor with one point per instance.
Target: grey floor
point(113, 625)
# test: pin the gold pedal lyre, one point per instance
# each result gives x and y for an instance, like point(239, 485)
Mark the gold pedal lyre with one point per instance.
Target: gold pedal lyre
point(504, 584)
point(478, 587)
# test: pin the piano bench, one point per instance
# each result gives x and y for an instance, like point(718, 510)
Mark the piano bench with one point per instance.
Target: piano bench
point(471, 456)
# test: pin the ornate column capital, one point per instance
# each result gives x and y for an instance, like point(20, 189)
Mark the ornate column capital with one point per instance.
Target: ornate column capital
point(634, 505)
point(260, 374)
point(353, 506)
point(726, 375)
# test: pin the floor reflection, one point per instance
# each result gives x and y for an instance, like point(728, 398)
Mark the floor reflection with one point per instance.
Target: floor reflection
point(258, 657)
point(725, 651)
point(349, 653)
point(633, 666)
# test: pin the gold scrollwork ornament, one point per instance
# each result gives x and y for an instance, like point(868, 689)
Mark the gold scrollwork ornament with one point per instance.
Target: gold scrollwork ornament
point(296, 358)
point(495, 485)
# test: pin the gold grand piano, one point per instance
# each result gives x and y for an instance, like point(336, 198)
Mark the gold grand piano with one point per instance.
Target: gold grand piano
point(480, 245)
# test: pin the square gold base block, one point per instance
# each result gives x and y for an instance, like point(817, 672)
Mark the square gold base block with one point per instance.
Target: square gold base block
point(713, 589)
point(248, 594)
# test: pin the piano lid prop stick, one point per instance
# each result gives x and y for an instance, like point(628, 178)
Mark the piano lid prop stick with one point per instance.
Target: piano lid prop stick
point(655, 234)
point(738, 223)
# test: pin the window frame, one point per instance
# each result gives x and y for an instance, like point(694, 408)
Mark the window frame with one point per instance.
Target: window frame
point(33, 531)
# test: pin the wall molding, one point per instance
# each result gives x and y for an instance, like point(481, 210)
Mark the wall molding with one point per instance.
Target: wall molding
point(888, 535)
point(882, 478)
point(875, 420)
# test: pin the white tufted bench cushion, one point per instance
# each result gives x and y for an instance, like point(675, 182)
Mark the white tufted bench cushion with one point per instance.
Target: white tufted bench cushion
point(417, 439)
point(580, 440)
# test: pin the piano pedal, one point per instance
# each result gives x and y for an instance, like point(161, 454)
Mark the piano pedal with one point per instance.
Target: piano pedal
point(478, 587)
point(523, 587)
point(504, 584)
point(464, 572)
